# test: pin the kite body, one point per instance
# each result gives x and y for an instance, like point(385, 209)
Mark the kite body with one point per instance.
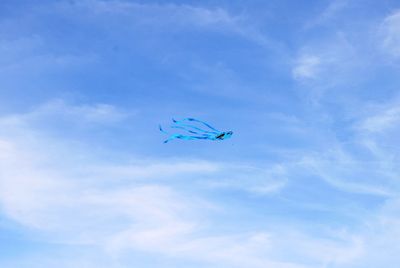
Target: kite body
point(198, 130)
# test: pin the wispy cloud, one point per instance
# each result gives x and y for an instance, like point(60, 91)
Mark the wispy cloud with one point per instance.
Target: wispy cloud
point(130, 207)
point(183, 13)
point(385, 119)
point(47, 198)
point(391, 34)
point(326, 62)
point(327, 14)
point(300, 186)
point(95, 113)
point(58, 110)
point(135, 208)
point(306, 67)
point(366, 162)
point(178, 17)
point(255, 180)
point(31, 55)
point(349, 175)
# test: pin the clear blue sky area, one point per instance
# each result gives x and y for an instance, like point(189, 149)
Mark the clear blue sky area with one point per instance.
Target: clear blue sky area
point(309, 179)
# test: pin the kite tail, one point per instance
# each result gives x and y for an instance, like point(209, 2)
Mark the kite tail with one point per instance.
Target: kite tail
point(162, 130)
point(185, 137)
point(195, 120)
point(198, 132)
point(188, 130)
point(171, 138)
point(195, 127)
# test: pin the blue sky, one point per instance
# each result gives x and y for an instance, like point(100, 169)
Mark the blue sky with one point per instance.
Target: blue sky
point(310, 178)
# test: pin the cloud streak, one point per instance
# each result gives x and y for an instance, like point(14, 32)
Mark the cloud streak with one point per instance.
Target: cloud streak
point(130, 207)
point(391, 32)
point(89, 183)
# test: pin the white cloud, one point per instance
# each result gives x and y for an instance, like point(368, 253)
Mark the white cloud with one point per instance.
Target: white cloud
point(328, 63)
point(176, 17)
point(182, 13)
point(30, 55)
point(380, 233)
point(270, 179)
point(130, 206)
point(125, 207)
point(59, 110)
point(387, 118)
point(78, 206)
point(329, 13)
point(346, 172)
point(83, 210)
point(306, 67)
point(365, 165)
point(96, 113)
point(145, 170)
point(391, 34)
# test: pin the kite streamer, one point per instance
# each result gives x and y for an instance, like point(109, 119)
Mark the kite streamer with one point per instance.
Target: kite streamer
point(199, 131)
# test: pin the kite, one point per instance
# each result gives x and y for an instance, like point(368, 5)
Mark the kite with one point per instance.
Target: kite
point(198, 132)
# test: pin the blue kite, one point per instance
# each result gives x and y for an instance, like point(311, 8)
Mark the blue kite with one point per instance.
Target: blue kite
point(209, 133)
